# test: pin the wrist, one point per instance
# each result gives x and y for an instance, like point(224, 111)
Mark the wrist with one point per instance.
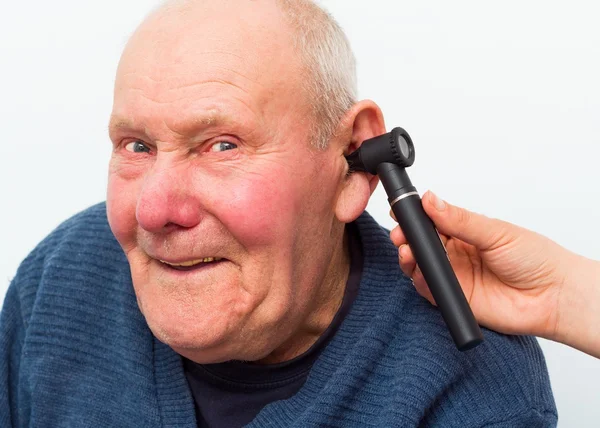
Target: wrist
point(579, 306)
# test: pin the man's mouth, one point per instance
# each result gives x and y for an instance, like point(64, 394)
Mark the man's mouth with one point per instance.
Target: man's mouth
point(193, 264)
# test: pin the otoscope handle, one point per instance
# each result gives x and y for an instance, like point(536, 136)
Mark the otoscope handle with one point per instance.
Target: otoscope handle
point(431, 256)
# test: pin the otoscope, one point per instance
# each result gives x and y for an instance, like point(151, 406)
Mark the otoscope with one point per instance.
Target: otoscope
point(387, 156)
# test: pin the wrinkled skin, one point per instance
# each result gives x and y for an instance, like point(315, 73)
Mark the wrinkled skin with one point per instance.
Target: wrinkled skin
point(211, 159)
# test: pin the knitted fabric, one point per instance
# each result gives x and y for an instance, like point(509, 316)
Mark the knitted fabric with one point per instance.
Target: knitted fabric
point(75, 351)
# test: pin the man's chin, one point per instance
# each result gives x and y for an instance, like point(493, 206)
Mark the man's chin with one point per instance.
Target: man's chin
point(207, 347)
point(185, 334)
point(187, 343)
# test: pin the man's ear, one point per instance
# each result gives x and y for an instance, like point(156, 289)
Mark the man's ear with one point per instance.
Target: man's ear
point(363, 121)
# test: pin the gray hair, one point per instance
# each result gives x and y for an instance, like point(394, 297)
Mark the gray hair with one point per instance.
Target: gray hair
point(329, 62)
point(330, 66)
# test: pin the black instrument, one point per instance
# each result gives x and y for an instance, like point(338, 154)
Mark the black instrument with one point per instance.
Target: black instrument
point(388, 156)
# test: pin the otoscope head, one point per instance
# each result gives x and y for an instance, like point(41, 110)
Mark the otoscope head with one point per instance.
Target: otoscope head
point(394, 147)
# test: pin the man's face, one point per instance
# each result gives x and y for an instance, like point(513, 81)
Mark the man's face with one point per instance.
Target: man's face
point(211, 161)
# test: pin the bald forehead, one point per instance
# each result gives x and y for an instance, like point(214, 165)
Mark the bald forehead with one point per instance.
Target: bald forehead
point(231, 56)
point(230, 16)
point(251, 35)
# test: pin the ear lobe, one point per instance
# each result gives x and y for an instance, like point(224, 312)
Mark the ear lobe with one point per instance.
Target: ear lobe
point(366, 121)
point(354, 197)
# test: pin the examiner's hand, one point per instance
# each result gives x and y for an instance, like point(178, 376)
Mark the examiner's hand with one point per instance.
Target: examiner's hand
point(516, 281)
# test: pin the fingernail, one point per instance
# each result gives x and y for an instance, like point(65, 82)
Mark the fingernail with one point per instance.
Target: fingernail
point(400, 250)
point(439, 204)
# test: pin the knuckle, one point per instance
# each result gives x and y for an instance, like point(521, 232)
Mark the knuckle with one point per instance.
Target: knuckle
point(463, 217)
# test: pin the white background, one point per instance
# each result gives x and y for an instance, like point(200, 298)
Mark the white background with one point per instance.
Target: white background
point(502, 100)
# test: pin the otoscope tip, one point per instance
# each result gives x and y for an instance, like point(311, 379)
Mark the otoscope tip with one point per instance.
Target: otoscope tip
point(354, 161)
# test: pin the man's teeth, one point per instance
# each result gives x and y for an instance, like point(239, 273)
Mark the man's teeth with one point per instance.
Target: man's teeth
point(194, 262)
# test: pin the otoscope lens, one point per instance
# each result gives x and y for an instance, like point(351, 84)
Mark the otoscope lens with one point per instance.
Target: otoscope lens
point(403, 145)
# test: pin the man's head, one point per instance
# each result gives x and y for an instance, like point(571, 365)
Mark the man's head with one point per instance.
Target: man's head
point(217, 155)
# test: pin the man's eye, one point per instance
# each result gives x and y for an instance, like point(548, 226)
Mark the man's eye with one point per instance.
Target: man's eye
point(137, 147)
point(221, 146)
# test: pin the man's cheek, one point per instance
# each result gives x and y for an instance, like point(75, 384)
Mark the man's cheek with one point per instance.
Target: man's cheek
point(120, 208)
point(257, 211)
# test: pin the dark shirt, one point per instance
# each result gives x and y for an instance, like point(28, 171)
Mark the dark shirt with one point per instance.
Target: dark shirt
point(231, 394)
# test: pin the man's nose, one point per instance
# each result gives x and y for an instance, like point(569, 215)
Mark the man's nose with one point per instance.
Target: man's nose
point(168, 198)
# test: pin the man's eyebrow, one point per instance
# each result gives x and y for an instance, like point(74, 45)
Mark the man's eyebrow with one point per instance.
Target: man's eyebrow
point(186, 127)
point(122, 123)
point(118, 123)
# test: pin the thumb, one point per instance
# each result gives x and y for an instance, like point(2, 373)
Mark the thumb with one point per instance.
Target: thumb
point(475, 229)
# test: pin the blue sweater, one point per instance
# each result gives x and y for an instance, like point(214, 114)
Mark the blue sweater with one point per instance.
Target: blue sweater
point(75, 351)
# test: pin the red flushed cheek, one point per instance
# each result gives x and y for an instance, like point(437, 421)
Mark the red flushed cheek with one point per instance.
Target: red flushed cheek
point(258, 210)
point(120, 209)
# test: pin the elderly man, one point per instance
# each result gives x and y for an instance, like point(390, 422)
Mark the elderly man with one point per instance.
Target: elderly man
point(232, 277)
